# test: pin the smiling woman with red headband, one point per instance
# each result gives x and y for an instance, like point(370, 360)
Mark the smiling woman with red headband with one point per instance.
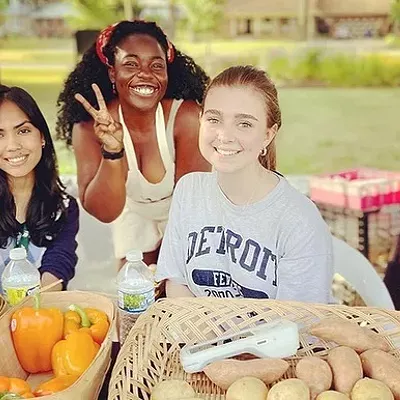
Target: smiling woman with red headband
point(130, 109)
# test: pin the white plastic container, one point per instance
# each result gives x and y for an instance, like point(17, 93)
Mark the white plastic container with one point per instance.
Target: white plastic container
point(136, 291)
point(20, 278)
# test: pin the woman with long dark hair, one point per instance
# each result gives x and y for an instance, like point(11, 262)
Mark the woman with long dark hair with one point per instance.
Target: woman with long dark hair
point(36, 212)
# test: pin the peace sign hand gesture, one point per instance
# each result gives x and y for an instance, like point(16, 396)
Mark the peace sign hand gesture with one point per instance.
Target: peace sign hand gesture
point(106, 129)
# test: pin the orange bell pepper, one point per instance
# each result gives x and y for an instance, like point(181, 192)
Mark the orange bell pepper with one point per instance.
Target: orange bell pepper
point(90, 320)
point(55, 385)
point(34, 332)
point(4, 384)
point(74, 354)
point(14, 386)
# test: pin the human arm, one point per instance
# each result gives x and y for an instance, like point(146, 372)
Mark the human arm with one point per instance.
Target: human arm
point(101, 181)
point(177, 290)
point(47, 279)
point(186, 136)
point(59, 259)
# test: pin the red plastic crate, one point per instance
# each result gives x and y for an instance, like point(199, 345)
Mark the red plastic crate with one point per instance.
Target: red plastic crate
point(361, 189)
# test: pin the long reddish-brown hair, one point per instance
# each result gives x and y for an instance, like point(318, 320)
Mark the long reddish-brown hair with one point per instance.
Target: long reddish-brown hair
point(258, 80)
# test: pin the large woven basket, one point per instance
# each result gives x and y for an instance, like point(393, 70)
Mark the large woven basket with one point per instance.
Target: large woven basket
point(3, 305)
point(151, 351)
point(89, 384)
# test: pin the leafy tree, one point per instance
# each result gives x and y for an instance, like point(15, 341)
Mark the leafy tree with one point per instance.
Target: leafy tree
point(94, 14)
point(395, 14)
point(203, 16)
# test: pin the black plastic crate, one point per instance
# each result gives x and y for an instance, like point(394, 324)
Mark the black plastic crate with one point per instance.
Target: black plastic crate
point(374, 233)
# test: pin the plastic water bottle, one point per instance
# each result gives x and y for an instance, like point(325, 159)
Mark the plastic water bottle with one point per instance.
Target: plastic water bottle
point(135, 285)
point(20, 278)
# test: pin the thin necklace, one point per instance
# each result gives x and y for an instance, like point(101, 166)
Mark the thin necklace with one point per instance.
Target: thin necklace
point(246, 205)
point(248, 202)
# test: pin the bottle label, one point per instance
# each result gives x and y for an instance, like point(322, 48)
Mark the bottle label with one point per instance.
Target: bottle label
point(16, 295)
point(135, 303)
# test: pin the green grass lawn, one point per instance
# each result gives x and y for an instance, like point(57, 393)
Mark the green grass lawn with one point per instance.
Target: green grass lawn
point(324, 129)
point(331, 129)
point(16, 49)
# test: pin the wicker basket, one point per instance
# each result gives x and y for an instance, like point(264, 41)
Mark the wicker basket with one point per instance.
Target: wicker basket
point(151, 351)
point(88, 385)
point(3, 305)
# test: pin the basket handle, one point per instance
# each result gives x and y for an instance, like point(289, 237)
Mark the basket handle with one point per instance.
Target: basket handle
point(50, 286)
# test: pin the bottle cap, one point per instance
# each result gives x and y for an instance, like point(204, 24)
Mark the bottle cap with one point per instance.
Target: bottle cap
point(134, 255)
point(19, 253)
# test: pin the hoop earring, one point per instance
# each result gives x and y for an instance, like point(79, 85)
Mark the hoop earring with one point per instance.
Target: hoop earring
point(263, 152)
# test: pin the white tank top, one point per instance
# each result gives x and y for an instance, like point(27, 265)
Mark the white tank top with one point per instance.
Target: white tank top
point(142, 222)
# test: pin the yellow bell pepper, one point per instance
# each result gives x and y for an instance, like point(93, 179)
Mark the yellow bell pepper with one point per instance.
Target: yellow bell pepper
point(74, 354)
point(55, 385)
point(90, 320)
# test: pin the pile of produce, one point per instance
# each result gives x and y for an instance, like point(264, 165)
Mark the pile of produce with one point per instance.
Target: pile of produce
point(46, 340)
point(360, 367)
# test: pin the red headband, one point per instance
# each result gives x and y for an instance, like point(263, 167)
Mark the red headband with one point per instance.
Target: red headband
point(105, 35)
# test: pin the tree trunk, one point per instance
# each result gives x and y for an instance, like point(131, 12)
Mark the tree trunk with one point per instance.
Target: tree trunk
point(128, 10)
point(172, 19)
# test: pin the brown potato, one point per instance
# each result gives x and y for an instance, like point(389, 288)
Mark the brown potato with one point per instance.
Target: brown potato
point(371, 389)
point(247, 388)
point(289, 389)
point(224, 373)
point(348, 333)
point(332, 395)
point(172, 389)
point(316, 373)
point(384, 367)
point(346, 367)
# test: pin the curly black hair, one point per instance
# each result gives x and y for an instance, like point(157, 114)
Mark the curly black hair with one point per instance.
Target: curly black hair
point(186, 79)
point(48, 193)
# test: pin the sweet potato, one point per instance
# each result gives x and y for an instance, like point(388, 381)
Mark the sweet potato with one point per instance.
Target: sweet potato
point(384, 367)
point(224, 373)
point(316, 373)
point(348, 333)
point(346, 367)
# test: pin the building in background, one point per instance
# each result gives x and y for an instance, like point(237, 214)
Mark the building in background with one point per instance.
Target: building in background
point(297, 19)
point(50, 20)
point(307, 18)
point(43, 18)
point(17, 19)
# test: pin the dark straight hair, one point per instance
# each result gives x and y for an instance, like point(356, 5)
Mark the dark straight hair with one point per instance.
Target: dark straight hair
point(48, 192)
